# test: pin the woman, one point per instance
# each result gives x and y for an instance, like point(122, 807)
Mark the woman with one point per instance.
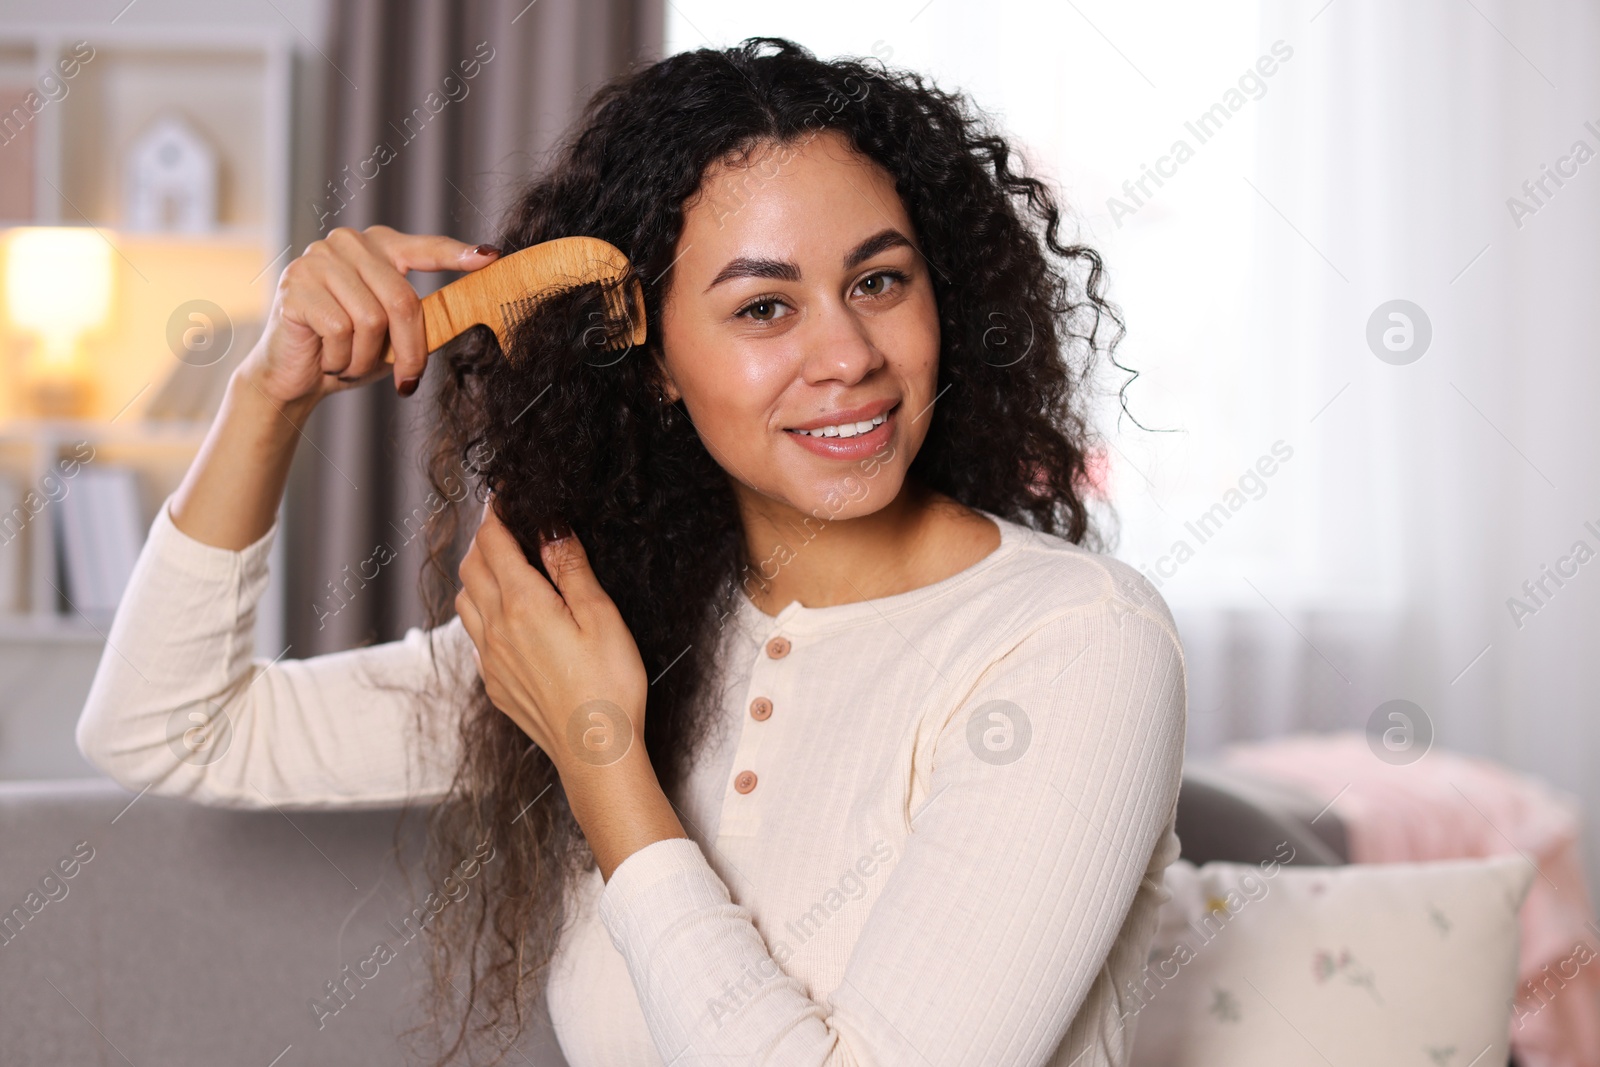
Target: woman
point(817, 738)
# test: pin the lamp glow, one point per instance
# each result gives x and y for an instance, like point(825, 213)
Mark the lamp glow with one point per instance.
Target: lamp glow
point(58, 284)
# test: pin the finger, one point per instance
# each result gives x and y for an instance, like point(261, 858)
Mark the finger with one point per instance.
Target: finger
point(401, 305)
point(518, 579)
point(369, 320)
point(480, 583)
point(472, 621)
point(424, 251)
point(568, 564)
point(317, 308)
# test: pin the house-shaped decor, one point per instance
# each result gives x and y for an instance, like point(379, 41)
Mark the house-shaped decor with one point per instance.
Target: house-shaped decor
point(170, 180)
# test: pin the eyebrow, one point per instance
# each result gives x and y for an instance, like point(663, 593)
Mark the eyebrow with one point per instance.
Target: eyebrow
point(878, 242)
point(783, 270)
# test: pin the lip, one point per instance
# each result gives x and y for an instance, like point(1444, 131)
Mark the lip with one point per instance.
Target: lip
point(858, 447)
point(856, 414)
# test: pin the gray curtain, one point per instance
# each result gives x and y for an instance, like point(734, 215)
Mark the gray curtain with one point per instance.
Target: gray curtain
point(469, 98)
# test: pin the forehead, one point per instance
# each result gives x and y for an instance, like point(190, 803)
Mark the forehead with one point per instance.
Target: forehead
point(813, 196)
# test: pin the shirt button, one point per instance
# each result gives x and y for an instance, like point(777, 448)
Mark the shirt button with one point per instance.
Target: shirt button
point(778, 647)
point(745, 782)
point(760, 708)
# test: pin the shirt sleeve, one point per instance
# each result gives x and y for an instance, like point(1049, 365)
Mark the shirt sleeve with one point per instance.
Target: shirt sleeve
point(180, 706)
point(1051, 798)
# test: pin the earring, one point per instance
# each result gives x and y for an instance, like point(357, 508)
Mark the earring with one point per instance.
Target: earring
point(667, 410)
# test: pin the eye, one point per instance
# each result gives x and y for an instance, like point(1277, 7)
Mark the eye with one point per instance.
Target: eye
point(881, 282)
point(761, 309)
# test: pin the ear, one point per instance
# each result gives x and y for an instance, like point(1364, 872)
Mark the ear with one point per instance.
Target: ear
point(669, 387)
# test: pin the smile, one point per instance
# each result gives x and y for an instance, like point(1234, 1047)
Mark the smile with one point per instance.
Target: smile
point(848, 440)
point(846, 429)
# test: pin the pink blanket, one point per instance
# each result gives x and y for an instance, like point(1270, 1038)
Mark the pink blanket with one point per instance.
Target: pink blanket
point(1447, 805)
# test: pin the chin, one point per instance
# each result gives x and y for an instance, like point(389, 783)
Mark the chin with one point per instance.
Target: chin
point(851, 495)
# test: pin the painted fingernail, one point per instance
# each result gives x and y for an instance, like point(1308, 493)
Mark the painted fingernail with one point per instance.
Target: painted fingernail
point(555, 530)
point(342, 378)
point(407, 386)
point(487, 250)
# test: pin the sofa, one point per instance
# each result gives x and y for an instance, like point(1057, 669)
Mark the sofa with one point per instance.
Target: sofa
point(188, 936)
point(147, 930)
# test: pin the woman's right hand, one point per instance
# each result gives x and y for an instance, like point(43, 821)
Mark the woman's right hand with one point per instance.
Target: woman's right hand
point(336, 304)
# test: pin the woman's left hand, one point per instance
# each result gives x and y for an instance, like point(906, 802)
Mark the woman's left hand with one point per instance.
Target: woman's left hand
point(558, 660)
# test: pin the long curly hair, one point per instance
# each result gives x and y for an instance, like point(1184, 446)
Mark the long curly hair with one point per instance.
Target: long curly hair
point(561, 426)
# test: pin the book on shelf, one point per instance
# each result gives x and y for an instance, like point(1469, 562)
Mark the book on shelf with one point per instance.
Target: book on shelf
point(13, 518)
point(100, 537)
point(192, 392)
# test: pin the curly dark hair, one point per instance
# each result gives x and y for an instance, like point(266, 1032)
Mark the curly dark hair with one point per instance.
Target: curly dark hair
point(577, 431)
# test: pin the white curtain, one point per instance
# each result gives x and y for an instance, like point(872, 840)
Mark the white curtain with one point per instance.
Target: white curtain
point(1387, 168)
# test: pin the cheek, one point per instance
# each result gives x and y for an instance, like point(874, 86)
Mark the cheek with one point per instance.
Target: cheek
point(911, 340)
point(729, 388)
point(911, 345)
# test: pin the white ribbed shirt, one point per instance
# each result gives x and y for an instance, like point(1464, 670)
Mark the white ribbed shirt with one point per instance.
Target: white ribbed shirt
point(929, 828)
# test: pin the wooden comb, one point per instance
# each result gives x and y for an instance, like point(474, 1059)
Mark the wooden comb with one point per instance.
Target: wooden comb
point(501, 294)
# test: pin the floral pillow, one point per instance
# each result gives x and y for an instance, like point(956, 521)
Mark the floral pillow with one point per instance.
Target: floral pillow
point(1366, 964)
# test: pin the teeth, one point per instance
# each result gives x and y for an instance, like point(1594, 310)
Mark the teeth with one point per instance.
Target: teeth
point(845, 429)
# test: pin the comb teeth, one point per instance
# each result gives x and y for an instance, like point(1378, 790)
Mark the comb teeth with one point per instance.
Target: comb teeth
point(514, 310)
point(623, 311)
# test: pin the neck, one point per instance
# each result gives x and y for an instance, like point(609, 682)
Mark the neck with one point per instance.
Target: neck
point(823, 561)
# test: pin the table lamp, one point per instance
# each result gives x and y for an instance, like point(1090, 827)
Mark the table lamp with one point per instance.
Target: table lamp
point(58, 288)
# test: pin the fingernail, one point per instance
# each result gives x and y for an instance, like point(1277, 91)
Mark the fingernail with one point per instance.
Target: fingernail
point(487, 250)
point(554, 530)
point(407, 386)
point(342, 378)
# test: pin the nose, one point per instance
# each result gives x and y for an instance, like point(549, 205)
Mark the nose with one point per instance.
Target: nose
point(839, 348)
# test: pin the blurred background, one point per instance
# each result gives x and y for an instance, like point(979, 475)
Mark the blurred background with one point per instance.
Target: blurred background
point(1354, 243)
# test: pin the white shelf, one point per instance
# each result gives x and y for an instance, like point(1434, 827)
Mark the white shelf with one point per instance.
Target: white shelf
point(240, 97)
point(234, 84)
point(48, 432)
